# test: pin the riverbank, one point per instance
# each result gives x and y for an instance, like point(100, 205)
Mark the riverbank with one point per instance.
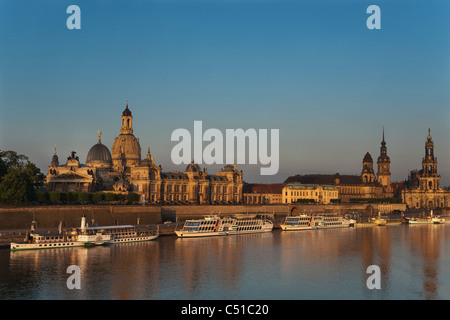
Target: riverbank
point(165, 230)
point(18, 218)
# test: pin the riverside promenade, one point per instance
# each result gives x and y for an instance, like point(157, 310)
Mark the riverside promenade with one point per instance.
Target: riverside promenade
point(16, 221)
point(18, 218)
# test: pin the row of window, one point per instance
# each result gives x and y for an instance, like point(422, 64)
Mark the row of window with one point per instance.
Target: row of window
point(184, 188)
point(312, 193)
point(252, 228)
point(56, 244)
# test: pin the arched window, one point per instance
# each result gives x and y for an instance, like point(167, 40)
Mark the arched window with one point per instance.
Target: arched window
point(430, 184)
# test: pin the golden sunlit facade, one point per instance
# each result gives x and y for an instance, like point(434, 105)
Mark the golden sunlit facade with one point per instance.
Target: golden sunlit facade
point(423, 189)
point(122, 171)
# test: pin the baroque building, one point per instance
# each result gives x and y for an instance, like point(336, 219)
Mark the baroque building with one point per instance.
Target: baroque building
point(123, 170)
point(297, 192)
point(260, 193)
point(350, 187)
point(423, 190)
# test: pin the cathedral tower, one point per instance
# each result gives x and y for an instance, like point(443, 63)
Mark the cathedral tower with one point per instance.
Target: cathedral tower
point(384, 164)
point(429, 178)
point(367, 174)
point(127, 121)
point(126, 151)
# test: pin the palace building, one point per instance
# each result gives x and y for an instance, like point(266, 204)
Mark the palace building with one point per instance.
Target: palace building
point(123, 170)
point(367, 185)
point(423, 190)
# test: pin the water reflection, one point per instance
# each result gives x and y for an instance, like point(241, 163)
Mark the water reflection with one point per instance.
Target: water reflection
point(319, 264)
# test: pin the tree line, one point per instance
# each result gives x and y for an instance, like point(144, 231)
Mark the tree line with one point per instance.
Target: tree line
point(19, 178)
point(57, 197)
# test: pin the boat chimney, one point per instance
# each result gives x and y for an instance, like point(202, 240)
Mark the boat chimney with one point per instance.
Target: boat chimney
point(83, 222)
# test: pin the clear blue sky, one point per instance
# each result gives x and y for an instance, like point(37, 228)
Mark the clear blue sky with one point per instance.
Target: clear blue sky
point(309, 68)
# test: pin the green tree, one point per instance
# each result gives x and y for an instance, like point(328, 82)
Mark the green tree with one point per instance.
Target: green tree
point(110, 197)
point(15, 187)
point(42, 196)
point(19, 178)
point(10, 159)
point(84, 197)
point(98, 197)
point(55, 196)
point(132, 197)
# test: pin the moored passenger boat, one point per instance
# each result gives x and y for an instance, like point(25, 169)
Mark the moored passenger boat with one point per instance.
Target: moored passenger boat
point(34, 241)
point(126, 233)
point(427, 220)
point(431, 219)
point(214, 225)
point(334, 221)
point(301, 222)
point(85, 236)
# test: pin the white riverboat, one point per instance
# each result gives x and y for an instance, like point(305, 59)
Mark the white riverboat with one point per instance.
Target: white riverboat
point(125, 233)
point(431, 219)
point(301, 222)
point(35, 241)
point(332, 221)
point(427, 220)
point(214, 225)
point(84, 237)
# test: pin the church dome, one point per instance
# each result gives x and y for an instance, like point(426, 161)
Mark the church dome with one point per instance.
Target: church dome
point(384, 158)
point(127, 146)
point(193, 167)
point(126, 112)
point(367, 157)
point(99, 154)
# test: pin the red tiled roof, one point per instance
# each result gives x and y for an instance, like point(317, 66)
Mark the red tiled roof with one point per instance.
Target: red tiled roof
point(275, 188)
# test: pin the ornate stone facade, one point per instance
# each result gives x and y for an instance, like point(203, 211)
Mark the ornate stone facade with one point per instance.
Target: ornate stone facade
point(423, 190)
point(123, 170)
point(295, 192)
point(260, 193)
point(363, 186)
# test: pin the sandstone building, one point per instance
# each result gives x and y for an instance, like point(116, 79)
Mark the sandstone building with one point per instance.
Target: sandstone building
point(423, 190)
point(367, 185)
point(260, 193)
point(298, 192)
point(123, 170)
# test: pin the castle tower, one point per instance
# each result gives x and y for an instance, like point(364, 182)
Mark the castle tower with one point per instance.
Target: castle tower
point(429, 178)
point(384, 164)
point(367, 174)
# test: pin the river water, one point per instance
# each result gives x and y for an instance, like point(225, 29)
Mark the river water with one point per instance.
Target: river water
point(322, 264)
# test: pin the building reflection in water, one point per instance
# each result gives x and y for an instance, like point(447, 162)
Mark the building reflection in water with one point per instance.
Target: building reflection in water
point(278, 265)
point(426, 241)
point(410, 252)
